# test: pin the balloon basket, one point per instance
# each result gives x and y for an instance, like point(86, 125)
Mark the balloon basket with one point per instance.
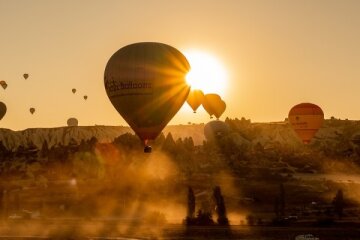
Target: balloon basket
point(147, 149)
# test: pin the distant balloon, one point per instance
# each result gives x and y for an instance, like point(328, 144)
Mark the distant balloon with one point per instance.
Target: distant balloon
point(72, 122)
point(26, 75)
point(306, 119)
point(3, 84)
point(195, 99)
point(146, 84)
point(32, 110)
point(85, 97)
point(213, 105)
point(2, 110)
point(73, 90)
point(216, 129)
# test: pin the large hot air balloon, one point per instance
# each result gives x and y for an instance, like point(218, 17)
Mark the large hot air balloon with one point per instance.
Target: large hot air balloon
point(195, 99)
point(213, 105)
point(73, 90)
point(215, 129)
point(306, 119)
point(2, 110)
point(72, 122)
point(3, 84)
point(85, 97)
point(26, 75)
point(32, 110)
point(146, 84)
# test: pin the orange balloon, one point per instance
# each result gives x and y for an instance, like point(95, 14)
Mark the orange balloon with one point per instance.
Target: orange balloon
point(195, 99)
point(306, 119)
point(2, 110)
point(146, 84)
point(220, 109)
point(213, 105)
point(32, 110)
point(3, 84)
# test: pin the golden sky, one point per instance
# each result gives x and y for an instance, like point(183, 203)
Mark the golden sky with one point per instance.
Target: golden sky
point(276, 54)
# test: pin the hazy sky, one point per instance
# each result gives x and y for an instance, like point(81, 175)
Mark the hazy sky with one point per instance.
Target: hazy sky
point(276, 54)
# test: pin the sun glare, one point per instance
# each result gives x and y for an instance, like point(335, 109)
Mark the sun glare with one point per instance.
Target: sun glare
point(207, 73)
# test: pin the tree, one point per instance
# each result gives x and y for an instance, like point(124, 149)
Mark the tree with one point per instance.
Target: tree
point(220, 207)
point(276, 207)
point(338, 203)
point(169, 144)
point(190, 218)
point(191, 203)
point(282, 200)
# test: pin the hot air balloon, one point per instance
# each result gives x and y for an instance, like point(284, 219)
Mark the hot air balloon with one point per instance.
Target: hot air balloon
point(72, 122)
point(73, 90)
point(32, 110)
point(85, 97)
point(213, 105)
point(306, 119)
point(146, 84)
point(2, 110)
point(26, 75)
point(3, 84)
point(195, 99)
point(220, 109)
point(215, 129)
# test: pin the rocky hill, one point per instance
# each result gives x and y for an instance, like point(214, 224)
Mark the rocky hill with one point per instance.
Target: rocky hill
point(334, 134)
point(63, 135)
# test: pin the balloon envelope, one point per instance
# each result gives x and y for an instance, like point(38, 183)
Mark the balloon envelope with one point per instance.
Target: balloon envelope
point(219, 109)
point(2, 110)
point(212, 103)
point(26, 75)
point(85, 97)
point(73, 90)
point(195, 99)
point(32, 110)
point(146, 84)
point(306, 119)
point(3, 84)
point(215, 129)
point(72, 122)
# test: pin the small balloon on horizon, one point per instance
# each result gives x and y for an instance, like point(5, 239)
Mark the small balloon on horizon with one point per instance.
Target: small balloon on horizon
point(3, 84)
point(32, 110)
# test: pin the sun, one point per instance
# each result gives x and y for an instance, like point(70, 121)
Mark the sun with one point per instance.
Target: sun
point(207, 72)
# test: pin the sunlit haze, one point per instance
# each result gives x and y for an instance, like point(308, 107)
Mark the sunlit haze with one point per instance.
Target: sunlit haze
point(207, 73)
point(262, 57)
